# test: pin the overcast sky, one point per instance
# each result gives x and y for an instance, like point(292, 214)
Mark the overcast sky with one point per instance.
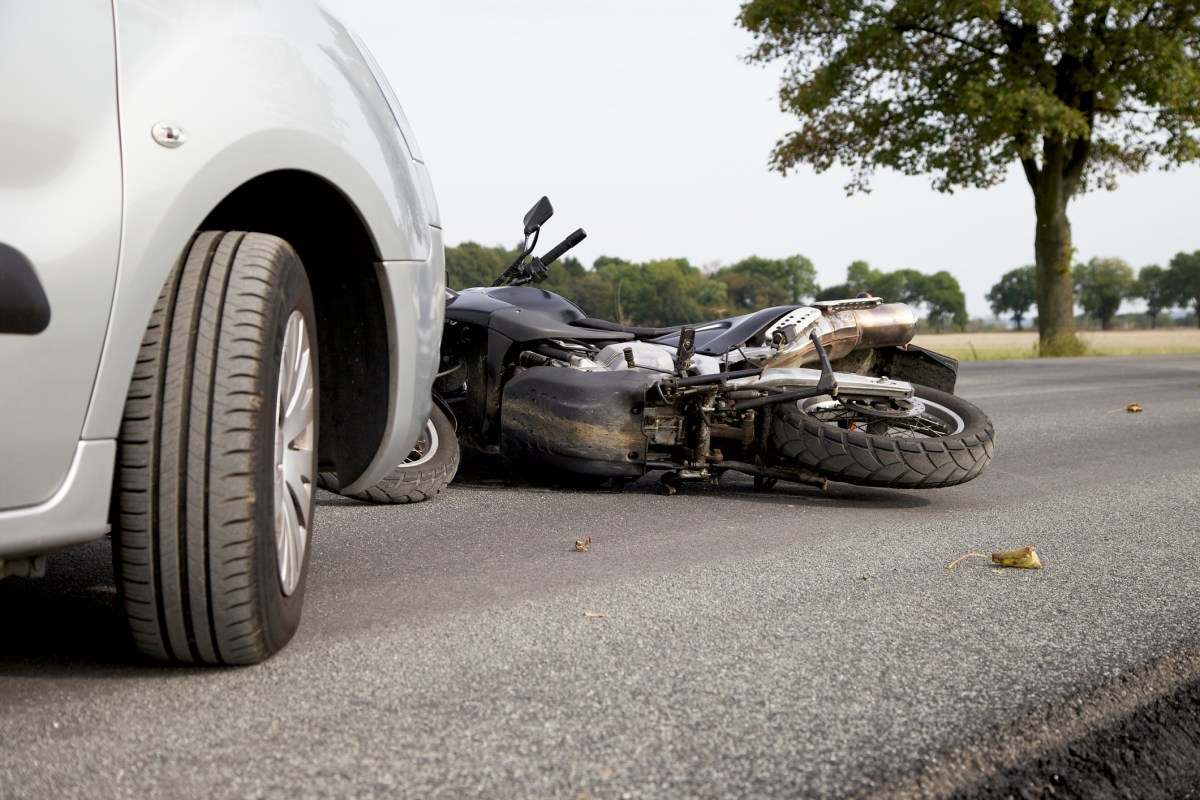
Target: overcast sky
point(643, 124)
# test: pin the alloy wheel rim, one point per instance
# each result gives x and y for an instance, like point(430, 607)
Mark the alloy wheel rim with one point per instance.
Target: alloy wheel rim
point(295, 466)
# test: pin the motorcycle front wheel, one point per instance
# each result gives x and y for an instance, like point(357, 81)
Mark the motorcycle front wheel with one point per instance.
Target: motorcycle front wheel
point(934, 440)
point(429, 468)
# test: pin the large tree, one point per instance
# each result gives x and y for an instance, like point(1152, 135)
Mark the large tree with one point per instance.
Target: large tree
point(1075, 92)
point(1014, 294)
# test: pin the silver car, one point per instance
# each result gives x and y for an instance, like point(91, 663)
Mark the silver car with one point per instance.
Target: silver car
point(221, 270)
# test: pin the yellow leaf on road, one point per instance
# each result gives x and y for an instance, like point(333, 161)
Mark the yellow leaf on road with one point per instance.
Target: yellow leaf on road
point(1024, 558)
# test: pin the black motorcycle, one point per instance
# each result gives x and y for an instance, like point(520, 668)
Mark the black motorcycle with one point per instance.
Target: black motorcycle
point(825, 392)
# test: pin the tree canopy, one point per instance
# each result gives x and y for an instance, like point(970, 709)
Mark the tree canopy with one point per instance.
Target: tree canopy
point(1074, 92)
point(672, 291)
point(1103, 283)
point(1152, 285)
point(470, 264)
point(1184, 280)
point(1014, 294)
point(787, 280)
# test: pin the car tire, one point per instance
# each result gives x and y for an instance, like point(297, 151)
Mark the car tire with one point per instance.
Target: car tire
point(217, 456)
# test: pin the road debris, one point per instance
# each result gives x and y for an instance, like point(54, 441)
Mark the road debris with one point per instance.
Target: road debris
point(582, 544)
point(595, 614)
point(1132, 408)
point(1021, 558)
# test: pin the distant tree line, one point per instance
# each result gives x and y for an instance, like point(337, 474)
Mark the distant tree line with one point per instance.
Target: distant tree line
point(1103, 283)
point(672, 291)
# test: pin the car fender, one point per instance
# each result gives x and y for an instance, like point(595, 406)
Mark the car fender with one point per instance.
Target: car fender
point(292, 74)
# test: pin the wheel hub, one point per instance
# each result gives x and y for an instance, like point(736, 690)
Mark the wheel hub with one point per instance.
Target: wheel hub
point(294, 451)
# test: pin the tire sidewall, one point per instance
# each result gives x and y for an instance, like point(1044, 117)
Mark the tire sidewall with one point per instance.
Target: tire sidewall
point(280, 613)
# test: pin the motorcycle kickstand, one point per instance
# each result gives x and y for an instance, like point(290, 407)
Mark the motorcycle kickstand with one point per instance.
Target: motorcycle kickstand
point(669, 483)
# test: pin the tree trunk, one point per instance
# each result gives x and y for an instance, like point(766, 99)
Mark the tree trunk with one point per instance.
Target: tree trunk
point(1052, 247)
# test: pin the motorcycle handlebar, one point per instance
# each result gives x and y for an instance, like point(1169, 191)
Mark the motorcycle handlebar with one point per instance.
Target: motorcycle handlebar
point(563, 246)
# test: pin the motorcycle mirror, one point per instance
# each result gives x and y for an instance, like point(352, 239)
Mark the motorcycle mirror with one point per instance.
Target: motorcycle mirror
point(537, 216)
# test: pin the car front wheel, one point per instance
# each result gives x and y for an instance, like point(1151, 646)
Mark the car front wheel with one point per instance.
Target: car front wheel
point(217, 456)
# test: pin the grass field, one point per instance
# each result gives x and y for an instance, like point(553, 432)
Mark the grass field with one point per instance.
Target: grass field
point(1008, 345)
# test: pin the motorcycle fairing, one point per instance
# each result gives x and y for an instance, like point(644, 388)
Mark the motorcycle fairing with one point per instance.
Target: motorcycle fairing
point(588, 423)
point(524, 314)
point(511, 315)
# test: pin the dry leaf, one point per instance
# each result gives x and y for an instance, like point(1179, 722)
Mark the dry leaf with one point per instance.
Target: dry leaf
point(1134, 408)
point(582, 544)
point(595, 614)
point(1024, 558)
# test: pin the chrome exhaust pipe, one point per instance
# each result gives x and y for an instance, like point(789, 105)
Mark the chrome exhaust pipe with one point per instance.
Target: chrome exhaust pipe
point(842, 326)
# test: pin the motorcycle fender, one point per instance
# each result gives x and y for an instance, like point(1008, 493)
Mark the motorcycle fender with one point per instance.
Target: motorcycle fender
point(588, 423)
point(918, 365)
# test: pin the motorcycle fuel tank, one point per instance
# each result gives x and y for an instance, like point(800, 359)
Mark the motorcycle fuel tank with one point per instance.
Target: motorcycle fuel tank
point(588, 423)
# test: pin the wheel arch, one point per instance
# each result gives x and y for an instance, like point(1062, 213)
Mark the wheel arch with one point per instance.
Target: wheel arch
point(339, 257)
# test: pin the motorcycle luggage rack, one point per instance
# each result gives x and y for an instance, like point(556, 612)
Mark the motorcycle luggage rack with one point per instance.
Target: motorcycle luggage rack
point(850, 304)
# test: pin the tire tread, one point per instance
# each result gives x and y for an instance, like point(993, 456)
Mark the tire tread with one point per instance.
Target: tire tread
point(863, 459)
point(187, 543)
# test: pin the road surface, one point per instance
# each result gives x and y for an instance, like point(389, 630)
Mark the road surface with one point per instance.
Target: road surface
point(719, 643)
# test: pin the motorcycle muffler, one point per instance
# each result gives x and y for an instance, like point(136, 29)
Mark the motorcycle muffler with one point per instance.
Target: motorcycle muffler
point(843, 326)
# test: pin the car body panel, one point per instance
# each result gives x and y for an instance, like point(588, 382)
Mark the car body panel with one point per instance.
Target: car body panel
point(299, 119)
point(60, 206)
point(256, 88)
point(75, 514)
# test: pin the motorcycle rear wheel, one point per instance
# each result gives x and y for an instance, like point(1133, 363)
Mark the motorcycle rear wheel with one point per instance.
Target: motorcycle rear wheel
point(946, 443)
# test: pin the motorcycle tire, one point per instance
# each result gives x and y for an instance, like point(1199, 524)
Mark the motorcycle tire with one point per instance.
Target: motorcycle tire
point(949, 442)
point(430, 467)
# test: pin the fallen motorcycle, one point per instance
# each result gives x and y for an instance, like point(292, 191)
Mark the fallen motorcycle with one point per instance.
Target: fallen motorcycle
point(830, 391)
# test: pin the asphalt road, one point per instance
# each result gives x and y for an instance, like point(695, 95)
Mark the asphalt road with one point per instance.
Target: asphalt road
point(719, 643)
